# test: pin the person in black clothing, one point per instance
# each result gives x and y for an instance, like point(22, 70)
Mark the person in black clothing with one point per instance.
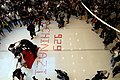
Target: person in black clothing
point(24, 15)
point(18, 73)
point(97, 26)
point(68, 15)
point(117, 46)
point(58, 71)
point(110, 36)
point(61, 19)
point(26, 44)
point(62, 75)
point(31, 28)
point(115, 59)
point(34, 78)
point(116, 70)
point(100, 75)
point(56, 14)
point(60, 23)
point(103, 32)
point(11, 47)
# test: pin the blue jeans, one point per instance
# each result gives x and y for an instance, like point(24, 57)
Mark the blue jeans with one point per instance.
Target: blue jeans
point(113, 62)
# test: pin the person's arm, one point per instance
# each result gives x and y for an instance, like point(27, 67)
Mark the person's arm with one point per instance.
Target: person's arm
point(13, 77)
point(20, 77)
point(16, 65)
point(23, 61)
point(105, 77)
point(19, 61)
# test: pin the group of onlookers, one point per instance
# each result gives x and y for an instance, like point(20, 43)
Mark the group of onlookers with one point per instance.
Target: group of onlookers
point(26, 12)
point(115, 60)
point(109, 12)
point(33, 12)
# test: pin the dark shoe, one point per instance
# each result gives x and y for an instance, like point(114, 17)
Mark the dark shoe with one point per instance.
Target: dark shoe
point(111, 51)
point(92, 29)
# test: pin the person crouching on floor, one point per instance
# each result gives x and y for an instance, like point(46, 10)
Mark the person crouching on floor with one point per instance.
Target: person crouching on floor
point(18, 73)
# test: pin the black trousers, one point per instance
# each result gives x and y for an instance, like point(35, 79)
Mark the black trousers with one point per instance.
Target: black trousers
point(8, 28)
point(32, 33)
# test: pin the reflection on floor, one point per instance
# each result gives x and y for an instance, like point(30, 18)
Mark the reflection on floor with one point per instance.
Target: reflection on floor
point(81, 52)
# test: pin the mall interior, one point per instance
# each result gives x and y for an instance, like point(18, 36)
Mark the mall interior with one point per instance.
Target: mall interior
point(59, 39)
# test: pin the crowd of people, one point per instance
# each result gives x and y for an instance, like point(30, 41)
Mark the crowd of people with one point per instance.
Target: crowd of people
point(32, 12)
point(108, 11)
point(14, 12)
point(25, 12)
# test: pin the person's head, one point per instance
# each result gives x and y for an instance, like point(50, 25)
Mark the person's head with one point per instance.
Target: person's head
point(98, 72)
point(104, 72)
point(34, 78)
point(11, 48)
point(12, 45)
point(17, 51)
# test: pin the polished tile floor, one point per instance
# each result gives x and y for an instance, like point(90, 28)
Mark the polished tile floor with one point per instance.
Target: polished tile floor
point(74, 49)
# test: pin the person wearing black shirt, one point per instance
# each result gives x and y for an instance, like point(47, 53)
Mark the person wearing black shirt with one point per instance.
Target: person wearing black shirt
point(117, 46)
point(31, 28)
point(62, 75)
point(101, 75)
point(116, 70)
point(18, 73)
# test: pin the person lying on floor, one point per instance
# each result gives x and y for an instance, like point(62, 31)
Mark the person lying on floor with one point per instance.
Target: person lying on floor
point(116, 70)
point(21, 45)
point(28, 45)
point(60, 23)
point(26, 59)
